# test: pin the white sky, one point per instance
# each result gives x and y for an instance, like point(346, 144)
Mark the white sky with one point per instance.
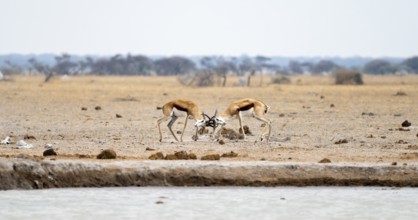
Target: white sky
point(373, 28)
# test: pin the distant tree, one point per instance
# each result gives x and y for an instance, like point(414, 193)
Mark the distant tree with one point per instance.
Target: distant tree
point(412, 63)
point(174, 66)
point(295, 67)
point(38, 66)
point(324, 66)
point(218, 66)
point(378, 66)
point(64, 65)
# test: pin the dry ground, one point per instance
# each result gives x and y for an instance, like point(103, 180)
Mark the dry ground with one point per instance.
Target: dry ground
point(305, 128)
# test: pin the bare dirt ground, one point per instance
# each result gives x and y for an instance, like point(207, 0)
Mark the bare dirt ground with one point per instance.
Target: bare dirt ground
point(312, 118)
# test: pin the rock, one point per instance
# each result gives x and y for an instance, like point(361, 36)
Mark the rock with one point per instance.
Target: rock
point(97, 108)
point(246, 130)
point(48, 146)
point(170, 157)
point(221, 142)
point(406, 123)
point(332, 106)
point(49, 152)
point(83, 109)
point(397, 114)
point(230, 154)
point(156, 156)
point(22, 144)
point(181, 155)
point(394, 164)
point(368, 113)
point(192, 156)
point(118, 116)
point(29, 137)
point(107, 154)
point(211, 157)
point(342, 141)
point(7, 140)
point(231, 134)
point(149, 149)
point(325, 160)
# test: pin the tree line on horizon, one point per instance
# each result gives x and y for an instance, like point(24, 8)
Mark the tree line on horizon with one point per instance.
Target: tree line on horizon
point(179, 65)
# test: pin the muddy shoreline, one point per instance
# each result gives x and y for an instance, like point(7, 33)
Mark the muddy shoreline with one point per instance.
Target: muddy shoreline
point(16, 173)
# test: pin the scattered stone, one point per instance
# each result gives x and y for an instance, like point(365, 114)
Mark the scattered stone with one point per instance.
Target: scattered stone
point(281, 115)
point(83, 156)
point(246, 130)
point(403, 129)
point(83, 109)
point(325, 160)
point(412, 147)
point(6, 140)
point(181, 155)
point(342, 141)
point(406, 123)
point(322, 97)
point(195, 137)
point(368, 113)
point(156, 156)
point(401, 142)
point(370, 136)
point(332, 106)
point(394, 163)
point(107, 154)
point(29, 137)
point(400, 93)
point(170, 157)
point(118, 116)
point(49, 152)
point(159, 202)
point(211, 157)
point(97, 108)
point(417, 134)
point(221, 142)
point(230, 154)
point(178, 132)
point(192, 156)
point(231, 134)
point(383, 137)
point(149, 149)
point(263, 159)
point(397, 114)
point(409, 156)
point(22, 144)
point(48, 146)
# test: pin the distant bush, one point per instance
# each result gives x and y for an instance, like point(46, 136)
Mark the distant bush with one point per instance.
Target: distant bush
point(200, 79)
point(280, 79)
point(348, 77)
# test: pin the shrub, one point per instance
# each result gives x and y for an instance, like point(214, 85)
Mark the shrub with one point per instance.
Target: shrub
point(348, 77)
point(280, 79)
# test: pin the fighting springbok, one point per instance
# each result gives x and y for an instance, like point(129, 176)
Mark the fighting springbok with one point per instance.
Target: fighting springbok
point(235, 108)
point(182, 105)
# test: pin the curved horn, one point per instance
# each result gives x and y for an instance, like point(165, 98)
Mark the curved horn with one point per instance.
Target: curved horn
point(205, 115)
point(216, 112)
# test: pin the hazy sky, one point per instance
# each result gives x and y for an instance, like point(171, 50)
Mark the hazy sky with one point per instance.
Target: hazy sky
point(211, 27)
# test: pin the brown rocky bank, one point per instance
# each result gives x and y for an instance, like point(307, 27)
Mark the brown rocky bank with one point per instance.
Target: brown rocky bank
point(19, 173)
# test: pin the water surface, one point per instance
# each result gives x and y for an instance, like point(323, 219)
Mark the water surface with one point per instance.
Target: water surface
point(211, 203)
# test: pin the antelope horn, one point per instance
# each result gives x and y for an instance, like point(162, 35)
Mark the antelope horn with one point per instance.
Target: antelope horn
point(216, 112)
point(203, 114)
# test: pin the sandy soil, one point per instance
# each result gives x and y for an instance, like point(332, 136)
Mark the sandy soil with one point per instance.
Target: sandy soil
point(305, 126)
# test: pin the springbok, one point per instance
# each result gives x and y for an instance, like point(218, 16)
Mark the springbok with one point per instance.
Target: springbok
point(182, 105)
point(235, 108)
